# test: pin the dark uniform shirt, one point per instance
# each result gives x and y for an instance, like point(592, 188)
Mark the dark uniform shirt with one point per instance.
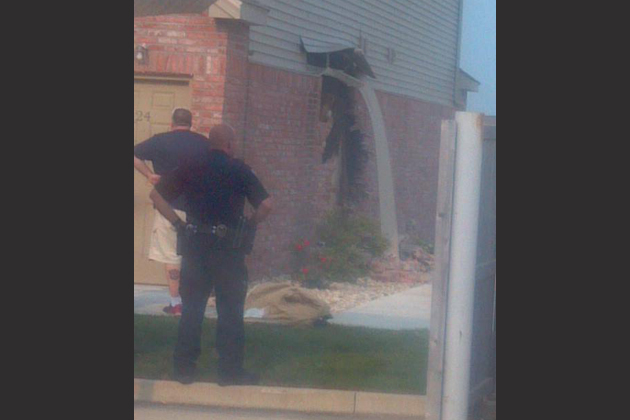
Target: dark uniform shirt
point(170, 150)
point(215, 188)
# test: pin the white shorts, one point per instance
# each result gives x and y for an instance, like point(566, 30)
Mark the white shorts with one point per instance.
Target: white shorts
point(164, 240)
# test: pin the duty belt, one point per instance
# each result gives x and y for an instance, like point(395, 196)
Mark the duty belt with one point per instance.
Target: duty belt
point(222, 232)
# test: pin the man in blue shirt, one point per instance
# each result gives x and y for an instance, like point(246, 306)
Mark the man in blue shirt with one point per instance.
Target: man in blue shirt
point(167, 152)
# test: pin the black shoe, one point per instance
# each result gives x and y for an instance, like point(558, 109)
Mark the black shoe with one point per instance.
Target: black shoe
point(185, 378)
point(242, 379)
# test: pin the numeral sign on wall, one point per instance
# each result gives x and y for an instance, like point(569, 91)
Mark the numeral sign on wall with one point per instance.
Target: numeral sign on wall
point(139, 116)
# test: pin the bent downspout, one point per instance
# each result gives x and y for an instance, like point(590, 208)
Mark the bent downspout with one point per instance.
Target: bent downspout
point(387, 198)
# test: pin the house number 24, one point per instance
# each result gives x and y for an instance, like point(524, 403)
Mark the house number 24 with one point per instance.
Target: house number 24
point(139, 116)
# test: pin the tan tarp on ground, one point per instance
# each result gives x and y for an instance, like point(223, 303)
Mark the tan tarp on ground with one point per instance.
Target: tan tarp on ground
point(287, 304)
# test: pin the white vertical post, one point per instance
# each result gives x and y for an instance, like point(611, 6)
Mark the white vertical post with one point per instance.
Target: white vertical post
point(443, 229)
point(461, 296)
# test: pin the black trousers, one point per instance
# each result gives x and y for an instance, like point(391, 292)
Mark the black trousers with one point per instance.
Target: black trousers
point(226, 273)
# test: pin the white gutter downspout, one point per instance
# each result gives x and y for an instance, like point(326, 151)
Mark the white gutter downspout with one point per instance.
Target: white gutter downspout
point(387, 197)
point(386, 192)
point(461, 296)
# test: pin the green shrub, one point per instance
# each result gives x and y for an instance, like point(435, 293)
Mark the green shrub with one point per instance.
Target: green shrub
point(427, 247)
point(345, 248)
point(415, 238)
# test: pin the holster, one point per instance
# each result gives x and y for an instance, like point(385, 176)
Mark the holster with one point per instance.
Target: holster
point(245, 236)
point(182, 243)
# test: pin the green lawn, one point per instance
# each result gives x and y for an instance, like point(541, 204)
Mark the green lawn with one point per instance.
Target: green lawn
point(333, 357)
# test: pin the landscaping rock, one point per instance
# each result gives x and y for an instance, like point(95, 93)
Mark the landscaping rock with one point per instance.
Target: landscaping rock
point(389, 276)
point(342, 297)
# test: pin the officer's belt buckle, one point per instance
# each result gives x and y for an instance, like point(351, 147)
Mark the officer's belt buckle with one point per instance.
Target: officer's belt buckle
point(220, 231)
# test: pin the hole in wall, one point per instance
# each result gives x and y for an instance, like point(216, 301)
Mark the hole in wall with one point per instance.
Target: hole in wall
point(345, 140)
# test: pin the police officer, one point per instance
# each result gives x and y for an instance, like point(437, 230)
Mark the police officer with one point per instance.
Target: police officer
point(213, 242)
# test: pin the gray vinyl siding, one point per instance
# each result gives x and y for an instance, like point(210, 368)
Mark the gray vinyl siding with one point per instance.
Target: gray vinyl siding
point(424, 33)
point(165, 7)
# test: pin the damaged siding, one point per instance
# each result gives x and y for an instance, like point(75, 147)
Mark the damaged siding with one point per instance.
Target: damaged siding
point(423, 33)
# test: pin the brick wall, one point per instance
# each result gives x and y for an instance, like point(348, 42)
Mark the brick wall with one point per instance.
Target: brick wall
point(414, 131)
point(285, 141)
point(212, 54)
point(284, 144)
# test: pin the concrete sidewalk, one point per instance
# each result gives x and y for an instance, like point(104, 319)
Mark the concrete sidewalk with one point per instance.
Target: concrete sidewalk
point(310, 401)
point(151, 300)
point(143, 411)
point(410, 309)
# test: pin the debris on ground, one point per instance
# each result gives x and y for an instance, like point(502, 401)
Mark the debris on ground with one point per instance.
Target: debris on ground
point(389, 276)
point(287, 303)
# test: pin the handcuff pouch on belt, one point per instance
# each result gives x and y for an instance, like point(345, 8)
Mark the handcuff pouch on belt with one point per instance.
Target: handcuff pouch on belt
point(241, 238)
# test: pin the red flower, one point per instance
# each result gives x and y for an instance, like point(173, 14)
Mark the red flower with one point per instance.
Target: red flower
point(305, 270)
point(307, 243)
point(324, 259)
point(299, 247)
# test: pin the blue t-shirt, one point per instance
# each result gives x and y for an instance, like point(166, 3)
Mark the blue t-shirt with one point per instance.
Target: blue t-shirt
point(168, 151)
